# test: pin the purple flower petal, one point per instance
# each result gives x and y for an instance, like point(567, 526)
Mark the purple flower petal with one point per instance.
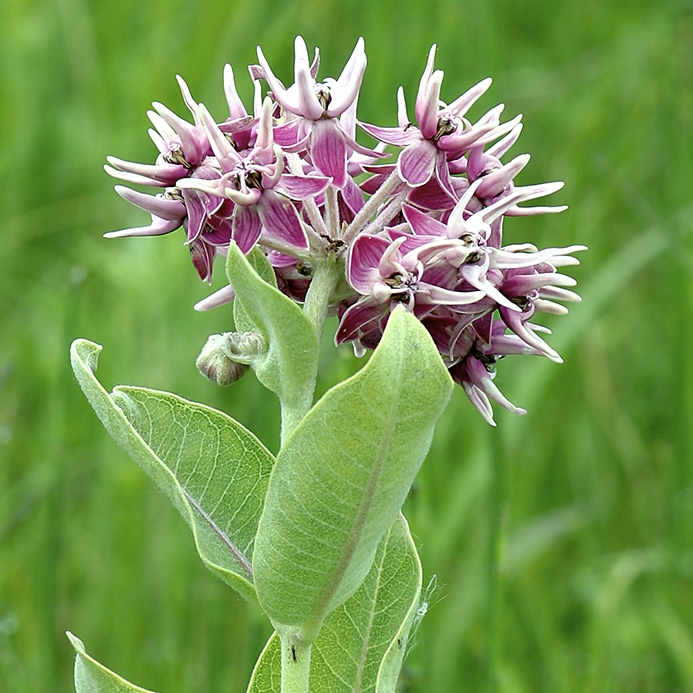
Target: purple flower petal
point(352, 195)
point(363, 316)
point(328, 150)
point(197, 212)
point(301, 187)
point(202, 256)
point(281, 220)
point(246, 227)
point(416, 163)
point(397, 136)
point(287, 133)
point(422, 224)
point(364, 260)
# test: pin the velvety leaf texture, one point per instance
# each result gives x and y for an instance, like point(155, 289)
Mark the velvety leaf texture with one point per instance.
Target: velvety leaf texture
point(214, 470)
point(92, 677)
point(292, 355)
point(362, 643)
point(342, 476)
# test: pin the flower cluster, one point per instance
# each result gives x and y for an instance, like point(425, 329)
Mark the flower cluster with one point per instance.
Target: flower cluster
point(424, 231)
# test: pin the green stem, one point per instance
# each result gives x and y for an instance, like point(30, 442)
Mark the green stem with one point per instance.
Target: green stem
point(315, 307)
point(322, 286)
point(295, 664)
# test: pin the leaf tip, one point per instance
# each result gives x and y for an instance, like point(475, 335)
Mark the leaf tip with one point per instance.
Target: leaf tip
point(75, 642)
point(84, 352)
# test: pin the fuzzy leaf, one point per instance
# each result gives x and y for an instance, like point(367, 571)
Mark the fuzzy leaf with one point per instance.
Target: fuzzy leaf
point(362, 643)
point(214, 470)
point(292, 346)
point(92, 677)
point(342, 476)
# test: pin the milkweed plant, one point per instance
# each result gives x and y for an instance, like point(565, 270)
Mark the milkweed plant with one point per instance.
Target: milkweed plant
point(403, 243)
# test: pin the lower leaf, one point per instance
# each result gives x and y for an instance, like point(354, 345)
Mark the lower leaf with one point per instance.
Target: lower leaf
point(362, 643)
point(92, 677)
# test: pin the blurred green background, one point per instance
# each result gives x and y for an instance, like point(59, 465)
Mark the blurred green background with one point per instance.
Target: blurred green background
point(562, 541)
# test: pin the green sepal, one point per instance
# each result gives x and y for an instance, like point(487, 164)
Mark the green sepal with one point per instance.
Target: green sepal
point(213, 469)
point(342, 476)
point(92, 677)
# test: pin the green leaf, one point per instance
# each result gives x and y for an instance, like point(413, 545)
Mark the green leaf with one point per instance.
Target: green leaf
point(212, 468)
point(362, 643)
point(259, 262)
point(342, 476)
point(92, 677)
point(290, 363)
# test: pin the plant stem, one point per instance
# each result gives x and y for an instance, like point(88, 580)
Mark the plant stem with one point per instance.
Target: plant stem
point(319, 293)
point(295, 664)
point(315, 307)
point(365, 213)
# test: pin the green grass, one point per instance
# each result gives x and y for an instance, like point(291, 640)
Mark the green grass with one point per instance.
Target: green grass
point(562, 541)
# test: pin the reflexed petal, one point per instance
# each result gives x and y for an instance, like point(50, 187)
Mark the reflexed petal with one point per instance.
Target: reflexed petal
point(281, 220)
point(423, 224)
point(416, 163)
point(397, 136)
point(197, 212)
point(352, 195)
point(287, 134)
point(301, 187)
point(328, 150)
point(363, 316)
point(443, 176)
point(202, 256)
point(246, 228)
point(364, 261)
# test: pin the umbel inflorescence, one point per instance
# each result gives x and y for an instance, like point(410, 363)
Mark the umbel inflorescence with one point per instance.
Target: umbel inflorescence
point(416, 221)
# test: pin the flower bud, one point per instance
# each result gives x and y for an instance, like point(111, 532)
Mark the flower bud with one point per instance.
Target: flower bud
point(226, 357)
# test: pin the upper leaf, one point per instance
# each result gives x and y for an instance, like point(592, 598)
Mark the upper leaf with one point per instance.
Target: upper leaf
point(213, 469)
point(289, 365)
point(92, 677)
point(342, 476)
point(362, 643)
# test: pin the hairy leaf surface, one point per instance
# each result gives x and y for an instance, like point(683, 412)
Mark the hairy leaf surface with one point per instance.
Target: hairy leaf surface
point(213, 469)
point(291, 359)
point(362, 643)
point(342, 476)
point(92, 677)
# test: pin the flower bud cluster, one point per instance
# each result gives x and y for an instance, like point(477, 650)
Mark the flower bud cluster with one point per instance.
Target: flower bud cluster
point(420, 225)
